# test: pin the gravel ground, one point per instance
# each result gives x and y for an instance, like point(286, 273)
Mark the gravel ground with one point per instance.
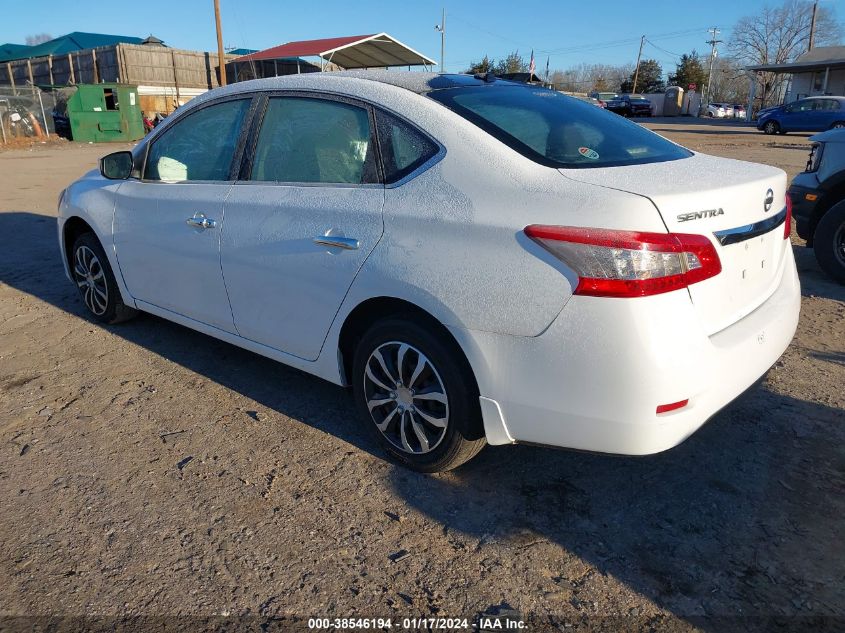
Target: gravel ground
point(147, 470)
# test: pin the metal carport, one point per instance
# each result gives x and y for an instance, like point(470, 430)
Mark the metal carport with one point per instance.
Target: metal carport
point(357, 51)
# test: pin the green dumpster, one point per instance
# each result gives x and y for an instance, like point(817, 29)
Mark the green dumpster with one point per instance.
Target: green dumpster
point(105, 112)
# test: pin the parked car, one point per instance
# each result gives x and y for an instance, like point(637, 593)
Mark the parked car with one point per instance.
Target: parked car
point(631, 105)
point(739, 111)
point(716, 110)
point(818, 201)
point(604, 96)
point(499, 263)
point(813, 114)
point(596, 102)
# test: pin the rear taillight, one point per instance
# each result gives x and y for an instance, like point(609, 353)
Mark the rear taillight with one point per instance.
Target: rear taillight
point(629, 263)
point(787, 226)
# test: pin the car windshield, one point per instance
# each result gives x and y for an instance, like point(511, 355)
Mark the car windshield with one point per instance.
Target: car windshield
point(555, 130)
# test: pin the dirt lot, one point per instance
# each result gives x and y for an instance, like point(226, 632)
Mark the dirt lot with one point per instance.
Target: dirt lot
point(147, 470)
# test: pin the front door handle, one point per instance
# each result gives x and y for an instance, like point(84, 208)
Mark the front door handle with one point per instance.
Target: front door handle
point(201, 222)
point(348, 243)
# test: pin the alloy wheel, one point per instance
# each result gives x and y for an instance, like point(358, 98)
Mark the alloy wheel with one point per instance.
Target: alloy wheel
point(839, 244)
point(91, 279)
point(406, 397)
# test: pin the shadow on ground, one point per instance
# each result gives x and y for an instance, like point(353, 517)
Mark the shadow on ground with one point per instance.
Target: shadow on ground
point(814, 281)
point(742, 519)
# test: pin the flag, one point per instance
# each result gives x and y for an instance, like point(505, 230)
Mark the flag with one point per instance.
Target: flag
point(547, 68)
point(532, 66)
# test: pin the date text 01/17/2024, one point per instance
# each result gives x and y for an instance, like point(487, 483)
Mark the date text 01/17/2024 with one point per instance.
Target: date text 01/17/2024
point(484, 623)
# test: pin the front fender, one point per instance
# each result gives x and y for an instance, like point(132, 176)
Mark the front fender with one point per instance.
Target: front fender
point(91, 200)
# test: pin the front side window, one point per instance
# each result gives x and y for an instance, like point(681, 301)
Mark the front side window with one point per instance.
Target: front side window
point(199, 147)
point(306, 140)
point(556, 130)
point(801, 106)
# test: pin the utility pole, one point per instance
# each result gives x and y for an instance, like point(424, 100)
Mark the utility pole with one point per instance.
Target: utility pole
point(221, 59)
point(713, 41)
point(813, 25)
point(637, 71)
point(442, 28)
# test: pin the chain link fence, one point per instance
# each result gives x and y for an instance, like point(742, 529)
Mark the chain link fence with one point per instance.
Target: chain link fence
point(28, 112)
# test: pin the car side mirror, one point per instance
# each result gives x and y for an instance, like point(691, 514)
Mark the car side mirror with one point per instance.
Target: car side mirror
point(117, 166)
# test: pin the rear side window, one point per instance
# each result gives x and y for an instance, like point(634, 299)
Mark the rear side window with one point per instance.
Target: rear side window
point(200, 146)
point(403, 147)
point(555, 130)
point(314, 141)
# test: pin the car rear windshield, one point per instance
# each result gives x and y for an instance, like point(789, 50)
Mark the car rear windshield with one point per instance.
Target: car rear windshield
point(555, 130)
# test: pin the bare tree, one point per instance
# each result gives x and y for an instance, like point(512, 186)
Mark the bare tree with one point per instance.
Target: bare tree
point(39, 38)
point(777, 35)
point(589, 77)
point(729, 83)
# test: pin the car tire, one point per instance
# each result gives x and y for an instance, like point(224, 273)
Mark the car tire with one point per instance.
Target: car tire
point(838, 125)
point(95, 281)
point(829, 242)
point(432, 423)
point(771, 127)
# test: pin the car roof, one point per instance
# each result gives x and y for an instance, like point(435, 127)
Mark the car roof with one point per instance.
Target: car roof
point(415, 81)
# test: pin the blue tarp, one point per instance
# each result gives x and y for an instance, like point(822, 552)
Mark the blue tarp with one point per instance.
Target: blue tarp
point(63, 45)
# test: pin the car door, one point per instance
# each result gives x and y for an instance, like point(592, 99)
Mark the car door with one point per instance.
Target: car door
point(793, 115)
point(167, 224)
point(817, 116)
point(302, 220)
point(828, 114)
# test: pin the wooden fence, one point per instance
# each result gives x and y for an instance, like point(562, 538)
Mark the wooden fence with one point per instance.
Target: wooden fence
point(124, 63)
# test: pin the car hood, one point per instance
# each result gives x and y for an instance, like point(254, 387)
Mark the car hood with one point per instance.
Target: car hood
point(829, 136)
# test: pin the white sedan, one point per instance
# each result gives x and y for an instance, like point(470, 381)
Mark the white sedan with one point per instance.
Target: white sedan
point(716, 110)
point(483, 262)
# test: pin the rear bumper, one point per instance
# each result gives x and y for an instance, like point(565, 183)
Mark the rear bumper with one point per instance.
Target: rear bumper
point(594, 379)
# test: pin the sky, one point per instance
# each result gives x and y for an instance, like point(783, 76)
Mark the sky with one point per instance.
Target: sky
point(567, 32)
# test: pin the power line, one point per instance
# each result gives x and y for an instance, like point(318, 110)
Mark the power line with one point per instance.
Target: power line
point(593, 46)
point(660, 48)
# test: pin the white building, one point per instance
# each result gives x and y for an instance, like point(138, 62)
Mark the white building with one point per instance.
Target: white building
point(818, 72)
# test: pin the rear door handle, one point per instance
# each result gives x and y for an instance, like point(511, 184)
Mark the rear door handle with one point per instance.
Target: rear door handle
point(201, 222)
point(348, 243)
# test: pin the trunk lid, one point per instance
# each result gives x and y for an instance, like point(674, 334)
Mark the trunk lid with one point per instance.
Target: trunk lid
point(724, 200)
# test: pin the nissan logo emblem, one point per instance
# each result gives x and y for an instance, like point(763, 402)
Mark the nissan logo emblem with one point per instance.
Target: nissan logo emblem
point(769, 201)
